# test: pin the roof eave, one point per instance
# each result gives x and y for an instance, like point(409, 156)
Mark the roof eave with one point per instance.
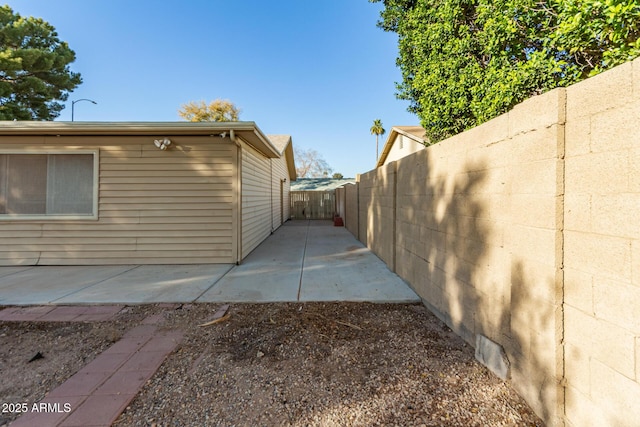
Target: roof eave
point(118, 128)
point(248, 131)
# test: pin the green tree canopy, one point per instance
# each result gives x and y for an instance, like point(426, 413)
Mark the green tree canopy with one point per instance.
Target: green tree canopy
point(464, 62)
point(218, 110)
point(34, 68)
point(598, 34)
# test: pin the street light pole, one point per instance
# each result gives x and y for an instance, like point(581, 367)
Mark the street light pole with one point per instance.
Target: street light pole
point(73, 104)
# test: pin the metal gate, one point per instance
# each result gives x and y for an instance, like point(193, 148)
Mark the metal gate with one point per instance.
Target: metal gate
point(313, 204)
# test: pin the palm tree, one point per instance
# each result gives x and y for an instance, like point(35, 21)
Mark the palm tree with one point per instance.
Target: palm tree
point(377, 130)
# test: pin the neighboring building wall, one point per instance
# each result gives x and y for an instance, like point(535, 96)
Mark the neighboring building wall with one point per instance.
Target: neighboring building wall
point(155, 207)
point(256, 199)
point(402, 146)
point(524, 230)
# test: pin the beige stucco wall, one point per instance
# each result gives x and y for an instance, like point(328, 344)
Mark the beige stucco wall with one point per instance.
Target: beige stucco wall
point(525, 230)
point(155, 207)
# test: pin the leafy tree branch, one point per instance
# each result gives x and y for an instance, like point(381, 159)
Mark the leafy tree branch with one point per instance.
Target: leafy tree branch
point(464, 62)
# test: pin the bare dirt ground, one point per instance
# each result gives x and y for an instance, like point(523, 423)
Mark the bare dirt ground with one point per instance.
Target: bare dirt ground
point(294, 364)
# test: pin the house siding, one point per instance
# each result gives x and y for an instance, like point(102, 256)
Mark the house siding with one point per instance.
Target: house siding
point(256, 199)
point(280, 201)
point(154, 207)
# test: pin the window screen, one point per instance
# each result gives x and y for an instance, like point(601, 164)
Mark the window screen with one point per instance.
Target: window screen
point(46, 184)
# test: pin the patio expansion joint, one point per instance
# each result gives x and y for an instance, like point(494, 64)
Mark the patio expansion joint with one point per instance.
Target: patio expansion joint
point(94, 284)
point(304, 256)
point(215, 282)
point(26, 268)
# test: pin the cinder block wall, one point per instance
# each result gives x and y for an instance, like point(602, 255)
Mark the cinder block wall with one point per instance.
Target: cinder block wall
point(602, 249)
point(526, 230)
point(351, 207)
point(476, 238)
point(377, 212)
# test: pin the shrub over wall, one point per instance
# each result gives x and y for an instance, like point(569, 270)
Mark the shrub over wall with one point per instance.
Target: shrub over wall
point(464, 62)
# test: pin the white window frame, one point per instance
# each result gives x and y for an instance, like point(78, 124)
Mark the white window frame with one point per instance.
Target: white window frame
point(96, 174)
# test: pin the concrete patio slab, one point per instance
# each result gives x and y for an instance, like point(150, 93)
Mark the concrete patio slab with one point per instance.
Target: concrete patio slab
point(271, 273)
point(256, 283)
point(311, 261)
point(6, 271)
point(339, 268)
point(151, 284)
point(46, 284)
point(301, 261)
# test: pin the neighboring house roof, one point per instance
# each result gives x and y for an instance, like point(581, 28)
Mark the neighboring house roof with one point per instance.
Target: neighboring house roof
point(319, 184)
point(284, 146)
point(416, 133)
point(247, 131)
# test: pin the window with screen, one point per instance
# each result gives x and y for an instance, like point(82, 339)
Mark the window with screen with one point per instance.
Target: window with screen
point(48, 185)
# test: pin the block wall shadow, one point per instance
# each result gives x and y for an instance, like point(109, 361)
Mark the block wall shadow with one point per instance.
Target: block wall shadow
point(450, 247)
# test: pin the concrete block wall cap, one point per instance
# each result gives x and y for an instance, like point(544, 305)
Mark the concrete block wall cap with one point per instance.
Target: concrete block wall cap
point(538, 112)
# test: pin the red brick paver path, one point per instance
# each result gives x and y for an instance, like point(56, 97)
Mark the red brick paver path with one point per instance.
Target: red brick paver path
point(98, 393)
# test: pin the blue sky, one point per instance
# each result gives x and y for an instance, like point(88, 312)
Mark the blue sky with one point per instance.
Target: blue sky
point(320, 71)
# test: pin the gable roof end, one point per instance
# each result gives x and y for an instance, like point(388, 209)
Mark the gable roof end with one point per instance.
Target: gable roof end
point(284, 145)
point(417, 133)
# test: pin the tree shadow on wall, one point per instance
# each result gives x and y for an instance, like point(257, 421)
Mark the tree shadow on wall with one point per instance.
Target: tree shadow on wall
point(452, 248)
point(380, 213)
point(531, 345)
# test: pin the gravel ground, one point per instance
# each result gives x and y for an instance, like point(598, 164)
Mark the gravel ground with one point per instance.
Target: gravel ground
point(311, 364)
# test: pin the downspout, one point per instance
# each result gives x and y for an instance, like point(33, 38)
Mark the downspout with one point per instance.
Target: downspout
point(232, 136)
